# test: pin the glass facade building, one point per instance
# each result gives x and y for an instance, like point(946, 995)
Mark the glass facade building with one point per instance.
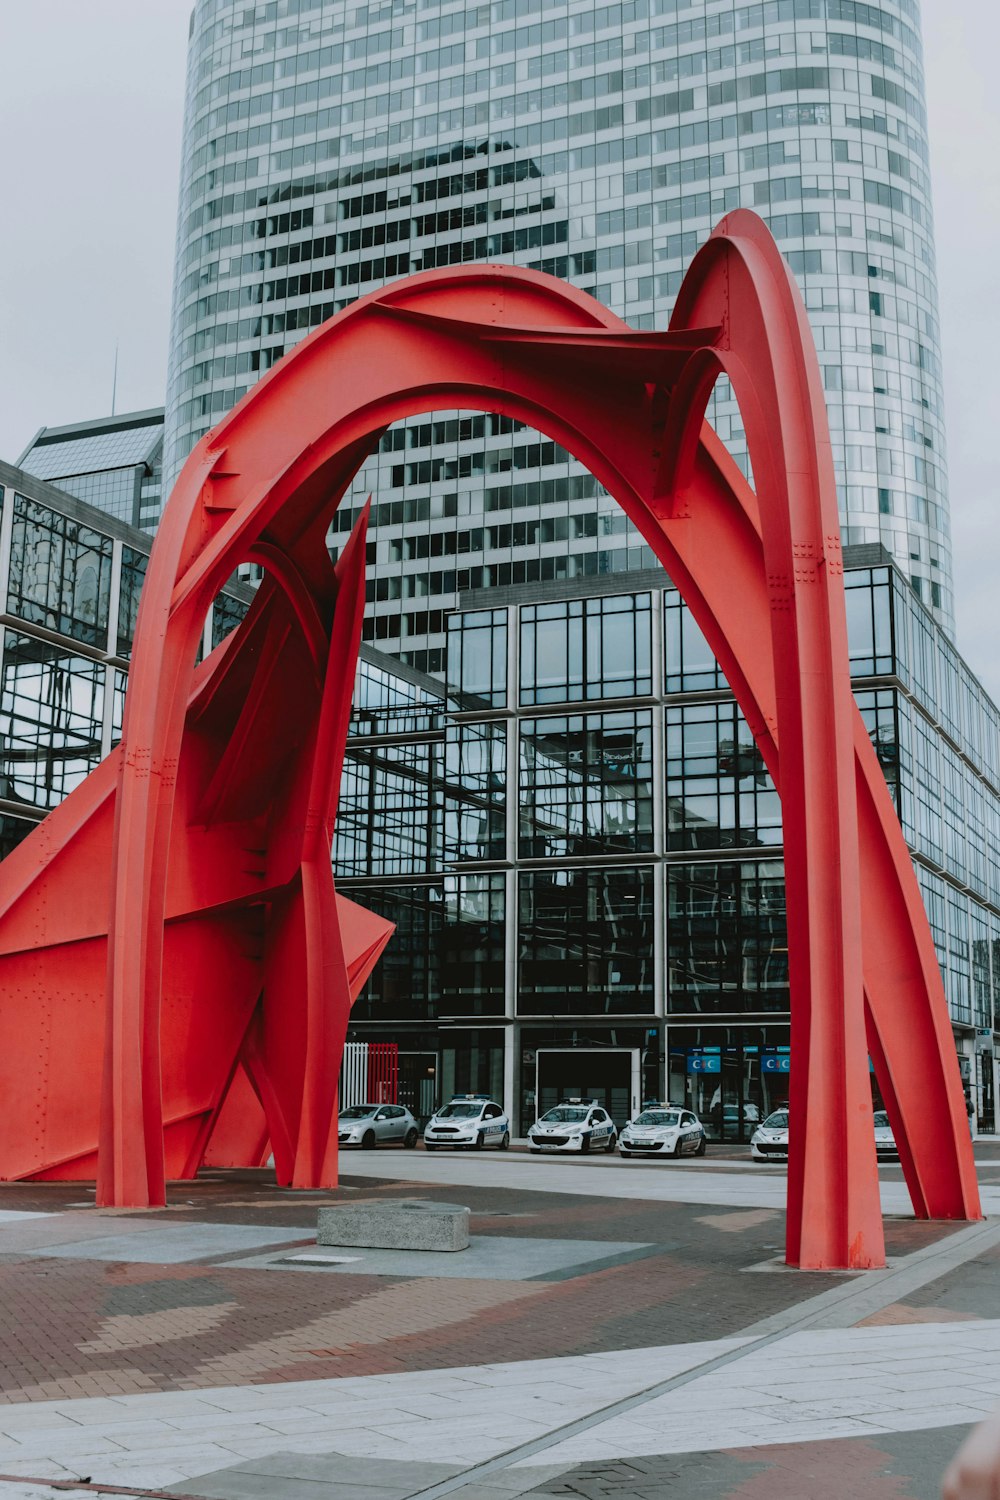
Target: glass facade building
point(331, 146)
point(70, 577)
point(583, 852)
point(114, 463)
point(573, 832)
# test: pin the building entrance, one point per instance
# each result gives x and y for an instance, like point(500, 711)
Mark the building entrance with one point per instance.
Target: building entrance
point(609, 1075)
point(732, 1077)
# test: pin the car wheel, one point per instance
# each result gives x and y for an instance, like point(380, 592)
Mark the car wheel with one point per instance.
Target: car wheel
point(612, 1143)
point(702, 1147)
point(677, 1150)
point(410, 1139)
point(480, 1142)
point(368, 1141)
point(585, 1145)
point(504, 1140)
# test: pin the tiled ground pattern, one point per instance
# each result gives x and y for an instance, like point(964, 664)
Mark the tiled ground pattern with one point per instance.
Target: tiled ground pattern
point(893, 1466)
point(76, 1327)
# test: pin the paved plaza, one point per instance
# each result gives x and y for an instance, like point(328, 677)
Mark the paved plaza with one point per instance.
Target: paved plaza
point(616, 1329)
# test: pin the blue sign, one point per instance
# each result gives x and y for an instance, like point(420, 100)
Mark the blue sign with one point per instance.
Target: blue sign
point(780, 1062)
point(704, 1062)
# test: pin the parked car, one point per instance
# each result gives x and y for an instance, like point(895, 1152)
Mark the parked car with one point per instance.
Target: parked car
point(370, 1125)
point(573, 1125)
point(769, 1141)
point(663, 1130)
point(885, 1142)
point(471, 1121)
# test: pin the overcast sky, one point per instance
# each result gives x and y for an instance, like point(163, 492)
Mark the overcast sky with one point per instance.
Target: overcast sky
point(90, 121)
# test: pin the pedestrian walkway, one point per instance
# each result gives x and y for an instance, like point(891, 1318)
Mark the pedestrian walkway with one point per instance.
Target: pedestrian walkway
point(752, 1186)
point(629, 1343)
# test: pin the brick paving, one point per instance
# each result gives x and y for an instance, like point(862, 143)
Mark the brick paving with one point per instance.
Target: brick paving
point(82, 1327)
point(74, 1328)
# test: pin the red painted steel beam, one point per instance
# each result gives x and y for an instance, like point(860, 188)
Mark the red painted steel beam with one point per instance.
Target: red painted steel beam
point(240, 841)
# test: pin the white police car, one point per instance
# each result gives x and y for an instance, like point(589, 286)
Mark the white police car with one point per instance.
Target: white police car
point(573, 1125)
point(470, 1120)
point(663, 1130)
point(769, 1141)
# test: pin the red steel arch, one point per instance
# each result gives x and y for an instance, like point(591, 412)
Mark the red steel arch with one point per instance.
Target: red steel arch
point(175, 923)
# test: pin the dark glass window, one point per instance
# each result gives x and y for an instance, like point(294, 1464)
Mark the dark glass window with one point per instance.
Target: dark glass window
point(869, 622)
point(922, 776)
point(477, 659)
point(389, 814)
point(690, 665)
point(878, 710)
point(719, 792)
point(727, 948)
point(472, 1062)
point(586, 648)
point(472, 947)
point(13, 830)
point(405, 983)
point(586, 784)
point(733, 1077)
point(915, 647)
point(390, 703)
point(476, 772)
point(133, 576)
point(586, 941)
point(51, 712)
point(227, 613)
point(60, 573)
point(119, 684)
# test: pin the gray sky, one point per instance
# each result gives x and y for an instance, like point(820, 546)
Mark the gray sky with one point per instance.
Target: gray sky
point(90, 120)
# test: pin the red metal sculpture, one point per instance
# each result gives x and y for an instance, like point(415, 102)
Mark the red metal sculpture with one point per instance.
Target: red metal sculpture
point(177, 912)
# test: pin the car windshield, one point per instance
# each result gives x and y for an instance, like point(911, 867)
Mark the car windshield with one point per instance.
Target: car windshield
point(565, 1114)
point(658, 1117)
point(777, 1121)
point(358, 1111)
point(465, 1111)
point(881, 1120)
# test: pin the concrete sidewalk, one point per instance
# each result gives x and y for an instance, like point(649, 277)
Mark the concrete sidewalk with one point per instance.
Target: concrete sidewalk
point(652, 1349)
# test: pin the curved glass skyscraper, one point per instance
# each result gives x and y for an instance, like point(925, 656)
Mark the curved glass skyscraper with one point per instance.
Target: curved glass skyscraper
point(331, 146)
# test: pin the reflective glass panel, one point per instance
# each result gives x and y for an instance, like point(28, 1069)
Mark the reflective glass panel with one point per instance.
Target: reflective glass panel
point(719, 791)
point(472, 951)
point(405, 983)
point(477, 659)
point(133, 576)
point(586, 648)
point(60, 573)
point(586, 784)
point(51, 710)
point(586, 941)
point(389, 813)
point(727, 946)
point(476, 772)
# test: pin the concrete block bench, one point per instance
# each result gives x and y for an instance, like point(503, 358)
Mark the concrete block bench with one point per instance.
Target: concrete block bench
point(395, 1226)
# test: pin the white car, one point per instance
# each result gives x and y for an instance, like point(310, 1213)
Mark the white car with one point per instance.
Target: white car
point(769, 1141)
point(885, 1142)
point(371, 1125)
point(469, 1120)
point(663, 1130)
point(573, 1126)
